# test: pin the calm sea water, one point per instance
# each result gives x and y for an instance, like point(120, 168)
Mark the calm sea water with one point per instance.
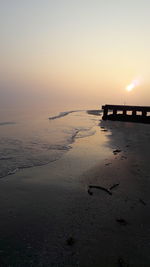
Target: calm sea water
point(32, 140)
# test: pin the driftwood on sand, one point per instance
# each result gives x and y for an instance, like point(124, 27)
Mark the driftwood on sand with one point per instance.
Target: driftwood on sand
point(113, 186)
point(107, 190)
point(99, 187)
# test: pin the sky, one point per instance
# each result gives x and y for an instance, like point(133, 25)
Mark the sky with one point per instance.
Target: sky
point(74, 52)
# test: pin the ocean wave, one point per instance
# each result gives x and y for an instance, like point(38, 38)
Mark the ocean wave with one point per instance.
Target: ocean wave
point(96, 112)
point(63, 114)
point(81, 133)
point(7, 123)
point(5, 158)
point(16, 154)
point(59, 147)
point(20, 153)
point(84, 133)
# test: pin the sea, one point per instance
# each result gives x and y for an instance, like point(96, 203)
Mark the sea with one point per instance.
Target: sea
point(29, 139)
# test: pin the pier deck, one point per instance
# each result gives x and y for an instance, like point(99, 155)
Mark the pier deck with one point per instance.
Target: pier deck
point(126, 113)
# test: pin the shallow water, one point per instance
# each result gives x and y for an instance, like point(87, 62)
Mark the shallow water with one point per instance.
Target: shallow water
point(28, 141)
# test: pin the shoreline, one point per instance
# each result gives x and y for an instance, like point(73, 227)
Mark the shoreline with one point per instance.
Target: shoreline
point(49, 219)
point(56, 151)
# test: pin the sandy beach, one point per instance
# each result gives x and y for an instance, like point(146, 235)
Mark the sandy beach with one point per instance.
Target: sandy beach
point(49, 218)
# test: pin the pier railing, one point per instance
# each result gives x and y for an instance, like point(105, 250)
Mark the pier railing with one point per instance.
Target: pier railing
point(126, 113)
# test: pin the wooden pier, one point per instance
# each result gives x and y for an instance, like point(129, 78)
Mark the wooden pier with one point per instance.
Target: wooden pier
point(126, 113)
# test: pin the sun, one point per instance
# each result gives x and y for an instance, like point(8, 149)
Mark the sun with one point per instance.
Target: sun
point(130, 87)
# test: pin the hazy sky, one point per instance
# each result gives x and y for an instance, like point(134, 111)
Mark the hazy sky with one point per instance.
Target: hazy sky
point(78, 52)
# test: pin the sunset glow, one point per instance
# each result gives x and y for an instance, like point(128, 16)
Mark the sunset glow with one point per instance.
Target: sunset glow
point(60, 51)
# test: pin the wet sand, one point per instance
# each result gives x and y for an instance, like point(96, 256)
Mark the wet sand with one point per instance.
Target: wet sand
point(48, 218)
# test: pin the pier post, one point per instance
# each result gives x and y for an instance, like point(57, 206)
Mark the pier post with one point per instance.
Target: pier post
point(105, 113)
point(144, 113)
point(114, 111)
point(134, 113)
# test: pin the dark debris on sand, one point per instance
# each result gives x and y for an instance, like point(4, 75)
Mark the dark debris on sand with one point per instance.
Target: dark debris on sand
point(104, 130)
point(122, 263)
point(122, 221)
point(116, 151)
point(142, 201)
point(70, 241)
